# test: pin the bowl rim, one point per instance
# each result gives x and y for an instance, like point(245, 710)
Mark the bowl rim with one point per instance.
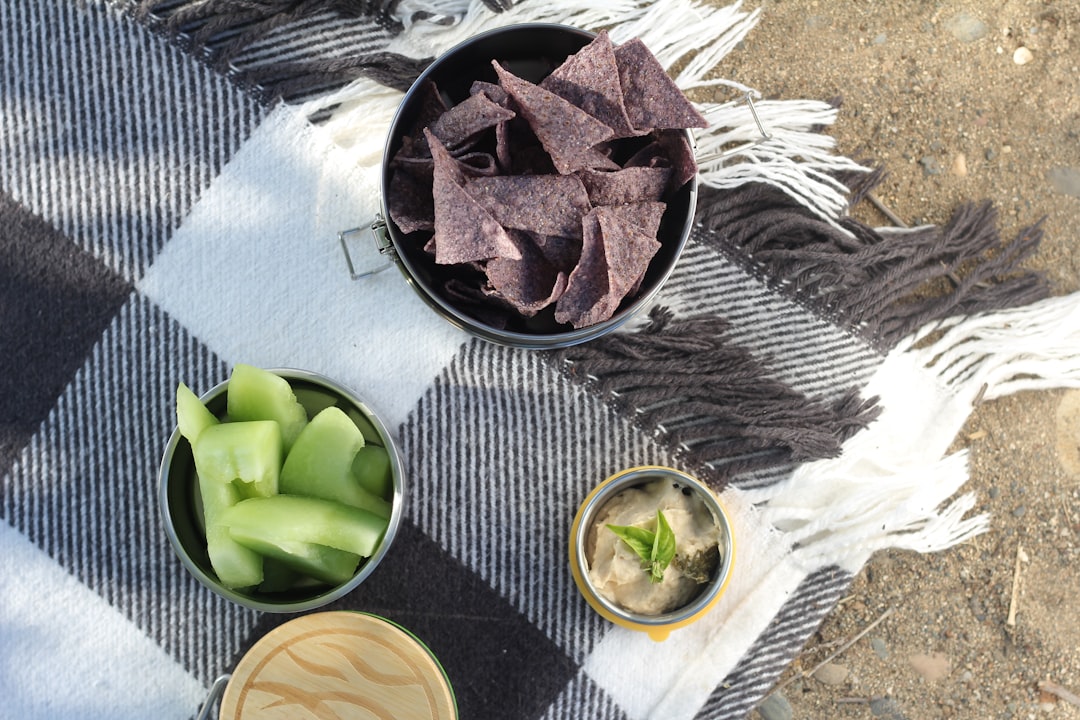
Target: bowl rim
point(367, 565)
point(658, 627)
point(448, 310)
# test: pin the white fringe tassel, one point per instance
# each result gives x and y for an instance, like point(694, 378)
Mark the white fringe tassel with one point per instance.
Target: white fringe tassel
point(1036, 347)
point(796, 158)
point(361, 117)
point(892, 485)
point(424, 39)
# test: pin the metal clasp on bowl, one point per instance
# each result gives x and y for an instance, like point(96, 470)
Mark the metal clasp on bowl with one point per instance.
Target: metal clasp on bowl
point(383, 244)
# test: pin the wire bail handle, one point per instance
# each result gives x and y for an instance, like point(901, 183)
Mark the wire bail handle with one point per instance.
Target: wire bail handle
point(764, 136)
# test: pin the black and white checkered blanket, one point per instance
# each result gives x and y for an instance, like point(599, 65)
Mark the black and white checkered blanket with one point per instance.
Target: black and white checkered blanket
point(173, 176)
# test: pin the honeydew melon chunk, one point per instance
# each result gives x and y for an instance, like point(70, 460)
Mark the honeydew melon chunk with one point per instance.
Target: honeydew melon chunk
point(235, 565)
point(320, 463)
point(277, 576)
point(293, 518)
point(257, 394)
point(248, 453)
point(304, 559)
point(314, 399)
point(192, 416)
point(371, 468)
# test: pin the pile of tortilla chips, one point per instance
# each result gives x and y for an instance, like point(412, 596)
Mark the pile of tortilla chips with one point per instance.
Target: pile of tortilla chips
point(547, 195)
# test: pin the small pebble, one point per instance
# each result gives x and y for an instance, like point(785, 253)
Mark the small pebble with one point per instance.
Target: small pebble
point(885, 708)
point(959, 166)
point(1022, 56)
point(966, 28)
point(775, 707)
point(931, 667)
point(880, 649)
point(930, 165)
point(1065, 180)
point(831, 674)
point(1019, 511)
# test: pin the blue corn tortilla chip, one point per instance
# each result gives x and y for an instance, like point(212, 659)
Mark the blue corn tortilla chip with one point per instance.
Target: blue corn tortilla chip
point(460, 125)
point(563, 253)
point(675, 146)
point(646, 215)
point(585, 301)
point(615, 255)
point(589, 79)
point(628, 248)
point(543, 204)
point(671, 150)
point(528, 284)
point(495, 93)
point(566, 132)
point(632, 184)
point(410, 200)
point(653, 100)
point(464, 231)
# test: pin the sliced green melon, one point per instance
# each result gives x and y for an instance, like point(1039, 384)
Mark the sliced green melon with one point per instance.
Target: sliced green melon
point(192, 416)
point(235, 565)
point(248, 453)
point(291, 518)
point(320, 463)
point(277, 576)
point(257, 394)
point(371, 468)
point(304, 559)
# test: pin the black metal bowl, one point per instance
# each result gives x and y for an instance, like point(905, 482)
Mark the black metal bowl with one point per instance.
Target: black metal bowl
point(530, 51)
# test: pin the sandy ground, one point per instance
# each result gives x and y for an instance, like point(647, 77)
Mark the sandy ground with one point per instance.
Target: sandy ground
point(942, 94)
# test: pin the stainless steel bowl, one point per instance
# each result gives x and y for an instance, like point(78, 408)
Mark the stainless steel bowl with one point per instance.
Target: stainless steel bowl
point(180, 504)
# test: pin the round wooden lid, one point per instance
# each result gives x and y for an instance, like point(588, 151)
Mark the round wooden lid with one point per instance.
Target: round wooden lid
point(340, 665)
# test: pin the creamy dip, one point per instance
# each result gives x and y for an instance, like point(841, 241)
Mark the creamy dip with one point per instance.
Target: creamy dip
point(615, 569)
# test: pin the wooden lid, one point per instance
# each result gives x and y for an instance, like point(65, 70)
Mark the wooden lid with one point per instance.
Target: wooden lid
point(338, 665)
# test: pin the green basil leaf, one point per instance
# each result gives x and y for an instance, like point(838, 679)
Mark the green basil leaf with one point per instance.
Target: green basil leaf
point(663, 549)
point(640, 540)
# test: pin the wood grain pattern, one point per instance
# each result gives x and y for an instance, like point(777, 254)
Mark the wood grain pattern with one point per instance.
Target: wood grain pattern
point(338, 666)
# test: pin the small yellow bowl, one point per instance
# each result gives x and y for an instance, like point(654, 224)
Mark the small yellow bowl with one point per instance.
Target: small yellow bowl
point(658, 627)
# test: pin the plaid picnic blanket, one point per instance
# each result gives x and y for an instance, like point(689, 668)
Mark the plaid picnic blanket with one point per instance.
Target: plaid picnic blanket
point(173, 176)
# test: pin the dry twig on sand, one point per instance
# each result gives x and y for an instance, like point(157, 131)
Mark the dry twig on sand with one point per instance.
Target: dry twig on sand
point(1055, 689)
point(842, 648)
point(1014, 600)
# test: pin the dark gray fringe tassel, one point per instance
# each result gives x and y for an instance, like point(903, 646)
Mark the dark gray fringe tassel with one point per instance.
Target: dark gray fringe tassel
point(219, 32)
point(713, 401)
point(883, 286)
